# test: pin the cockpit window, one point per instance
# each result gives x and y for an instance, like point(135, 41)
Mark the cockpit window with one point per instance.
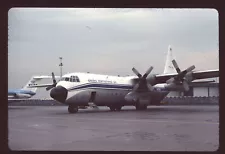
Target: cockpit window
point(77, 79)
point(71, 79)
point(74, 79)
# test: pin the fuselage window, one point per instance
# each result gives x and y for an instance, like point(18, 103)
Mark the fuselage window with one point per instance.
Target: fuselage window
point(67, 79)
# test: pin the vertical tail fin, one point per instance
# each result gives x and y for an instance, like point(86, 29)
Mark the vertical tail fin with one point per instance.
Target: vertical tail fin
point(30, 82)
point(33, 81)
point(169, 65)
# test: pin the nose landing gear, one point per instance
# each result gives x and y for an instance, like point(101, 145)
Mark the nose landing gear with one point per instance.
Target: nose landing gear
point(72, 108)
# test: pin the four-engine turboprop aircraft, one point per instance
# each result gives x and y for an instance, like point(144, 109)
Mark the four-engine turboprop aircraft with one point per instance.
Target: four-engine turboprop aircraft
point(78, 90)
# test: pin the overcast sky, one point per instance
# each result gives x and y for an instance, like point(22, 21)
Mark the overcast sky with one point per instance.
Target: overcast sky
point(108, 41)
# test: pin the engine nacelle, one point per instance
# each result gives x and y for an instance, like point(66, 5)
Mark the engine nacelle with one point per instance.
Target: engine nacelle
point(152, 79)
point(189, 77)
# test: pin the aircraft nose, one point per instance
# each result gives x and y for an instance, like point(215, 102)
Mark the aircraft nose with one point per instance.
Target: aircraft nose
point(59, 93)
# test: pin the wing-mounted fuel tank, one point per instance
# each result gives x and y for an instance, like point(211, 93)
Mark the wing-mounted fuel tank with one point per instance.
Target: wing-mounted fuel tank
point(174, 87)
point(131, 97)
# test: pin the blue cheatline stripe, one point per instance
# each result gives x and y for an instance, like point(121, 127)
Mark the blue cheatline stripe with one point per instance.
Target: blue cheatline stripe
point(98, 84)
point(109, 86)
point(102, 86)
point(79, 86)
point(99, 88)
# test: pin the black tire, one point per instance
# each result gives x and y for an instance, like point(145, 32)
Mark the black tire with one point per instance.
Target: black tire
point(137, 106)
point(144, 107)
point(141, 107)
point(112, 108)
point(118, 108)
point(72, 109)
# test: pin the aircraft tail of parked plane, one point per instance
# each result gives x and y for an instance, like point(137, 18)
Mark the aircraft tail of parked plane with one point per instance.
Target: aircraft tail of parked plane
point(27, 91)
point(32, 81)
point(169, 65)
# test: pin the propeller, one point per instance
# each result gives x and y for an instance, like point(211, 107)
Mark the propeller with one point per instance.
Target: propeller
point(181, 75)
point(142, 79)
point(54, 82)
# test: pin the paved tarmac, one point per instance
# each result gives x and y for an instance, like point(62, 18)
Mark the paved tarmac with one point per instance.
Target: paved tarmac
point(160, 128)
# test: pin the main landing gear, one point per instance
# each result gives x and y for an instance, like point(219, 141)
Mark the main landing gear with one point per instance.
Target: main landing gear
point(72, 108)
point(115, 108)
point(141, 107)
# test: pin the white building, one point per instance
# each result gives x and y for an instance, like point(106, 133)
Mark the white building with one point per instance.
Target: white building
point(200, 90)
point(208, 90)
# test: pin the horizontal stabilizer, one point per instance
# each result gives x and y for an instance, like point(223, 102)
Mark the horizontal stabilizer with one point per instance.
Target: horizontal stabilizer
point(44, 77)
point(40, 85)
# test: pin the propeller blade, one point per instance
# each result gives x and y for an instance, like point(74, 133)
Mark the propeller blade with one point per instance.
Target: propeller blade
point(136, 72)
point(150, 88)
point(54, 82)
point(185, 85)
point(53, 78)
point(49, 87)
point(136, 87)
point(147, 72)
point(176, 66)
point(142, 79)
point(189, 69)
point(171, 80)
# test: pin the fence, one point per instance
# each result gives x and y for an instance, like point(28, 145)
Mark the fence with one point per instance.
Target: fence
point(188, 100)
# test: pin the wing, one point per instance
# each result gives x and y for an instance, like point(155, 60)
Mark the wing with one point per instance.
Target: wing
point(162, 78)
